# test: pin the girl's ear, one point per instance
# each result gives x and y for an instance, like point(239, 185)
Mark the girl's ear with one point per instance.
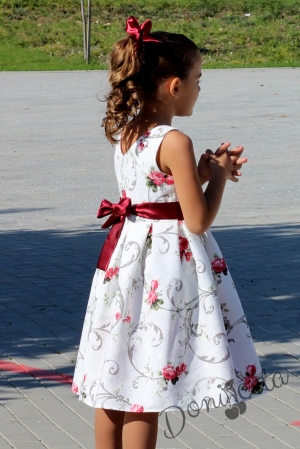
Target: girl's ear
point(174, 84)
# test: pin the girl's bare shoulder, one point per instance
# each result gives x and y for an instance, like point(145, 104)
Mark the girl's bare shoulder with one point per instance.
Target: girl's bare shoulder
point(176, 148)
point(176, 138)
point(175, 153)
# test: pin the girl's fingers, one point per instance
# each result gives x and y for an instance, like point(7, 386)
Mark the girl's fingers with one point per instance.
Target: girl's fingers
point(204, 157)
point(223, 147)
point(237, 150)
point(237, 166)
point(234, 179)
point(234, 175)
point(238, 162)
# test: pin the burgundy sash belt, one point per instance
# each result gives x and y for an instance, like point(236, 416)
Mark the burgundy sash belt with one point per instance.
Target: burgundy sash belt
point(119, 211)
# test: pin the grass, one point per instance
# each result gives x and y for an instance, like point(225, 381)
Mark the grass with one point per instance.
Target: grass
point(47, 35)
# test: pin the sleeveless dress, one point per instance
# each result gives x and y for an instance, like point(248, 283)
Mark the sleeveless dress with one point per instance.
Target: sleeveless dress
point(164, 326)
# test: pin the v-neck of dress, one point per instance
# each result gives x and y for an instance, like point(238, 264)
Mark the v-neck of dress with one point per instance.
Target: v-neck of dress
point(136, 141)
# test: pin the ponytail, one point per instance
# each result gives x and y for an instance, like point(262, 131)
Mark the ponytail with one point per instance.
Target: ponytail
point(139, 63)
point(124, 98)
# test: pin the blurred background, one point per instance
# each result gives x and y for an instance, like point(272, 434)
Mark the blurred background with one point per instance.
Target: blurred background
point(48, 35)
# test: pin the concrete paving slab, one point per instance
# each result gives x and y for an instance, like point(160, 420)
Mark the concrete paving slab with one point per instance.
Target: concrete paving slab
point(56, 168)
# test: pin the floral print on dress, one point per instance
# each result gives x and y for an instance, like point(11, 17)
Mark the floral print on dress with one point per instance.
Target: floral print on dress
point(185, 250)
point(169, 372)
point(142, 143)
point(218, 266)
point(157, 179)
point(110, 273)
point(75, 388)
point(251, 382)
point(136, 408)
point(118, 317)
point(152, 298)
point(127, 319)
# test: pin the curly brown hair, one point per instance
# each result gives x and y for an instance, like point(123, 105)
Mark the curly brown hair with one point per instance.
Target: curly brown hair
point(136, 72)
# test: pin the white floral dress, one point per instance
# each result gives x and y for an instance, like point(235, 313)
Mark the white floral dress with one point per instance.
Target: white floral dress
point(164, 325)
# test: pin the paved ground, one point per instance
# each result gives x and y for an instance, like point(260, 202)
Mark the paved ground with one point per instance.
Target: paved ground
point(55, 169)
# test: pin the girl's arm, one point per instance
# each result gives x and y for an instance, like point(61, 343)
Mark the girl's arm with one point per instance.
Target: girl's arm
point(199, 209)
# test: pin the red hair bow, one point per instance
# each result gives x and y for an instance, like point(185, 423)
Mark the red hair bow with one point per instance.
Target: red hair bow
point(141, 32)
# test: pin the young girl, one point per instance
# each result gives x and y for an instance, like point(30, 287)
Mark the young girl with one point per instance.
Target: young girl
point(164, 326)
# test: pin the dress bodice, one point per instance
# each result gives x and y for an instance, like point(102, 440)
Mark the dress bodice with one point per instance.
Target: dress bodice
point(138, 173)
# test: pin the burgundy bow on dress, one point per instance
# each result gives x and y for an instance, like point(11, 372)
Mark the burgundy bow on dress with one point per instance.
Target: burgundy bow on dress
point(141, 32)
point(118, 213)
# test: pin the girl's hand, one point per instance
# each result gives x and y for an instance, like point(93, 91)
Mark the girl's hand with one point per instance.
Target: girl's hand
point(235, 155)
point(204, 169)
point(222, 163)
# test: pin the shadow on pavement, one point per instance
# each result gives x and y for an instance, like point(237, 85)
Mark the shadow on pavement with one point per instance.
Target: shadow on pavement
point(46, 277)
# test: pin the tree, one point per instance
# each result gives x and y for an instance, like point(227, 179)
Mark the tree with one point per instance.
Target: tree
point(86, 26)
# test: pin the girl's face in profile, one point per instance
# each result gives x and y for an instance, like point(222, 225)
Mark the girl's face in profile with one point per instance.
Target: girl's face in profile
point(190, 89)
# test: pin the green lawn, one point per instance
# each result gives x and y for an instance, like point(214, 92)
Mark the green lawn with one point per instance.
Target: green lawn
point(47, 35)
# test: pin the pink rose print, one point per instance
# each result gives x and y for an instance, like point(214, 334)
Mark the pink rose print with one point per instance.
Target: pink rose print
point(110, 273)
point(181, 369)
point(146, 134)
point(75, 388)
point(141, 146)
point(152, 297)
point(157, 178)
point(173, 374)
point(188, 256)
point(118, 316)
point(84, 377)
point(219, 265)
point(168, 372)
point(136, 408)
point(251, 369)
point(184, 249)
point(169, 180)
point(154, 285)
point(183, 243)
point(251, 382)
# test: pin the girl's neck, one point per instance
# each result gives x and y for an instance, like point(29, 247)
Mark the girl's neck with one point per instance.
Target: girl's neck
point(144, 121)
point(154, 115)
